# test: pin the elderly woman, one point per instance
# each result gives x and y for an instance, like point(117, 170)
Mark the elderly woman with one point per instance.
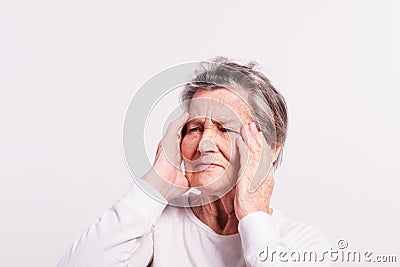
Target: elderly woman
point(230, 142)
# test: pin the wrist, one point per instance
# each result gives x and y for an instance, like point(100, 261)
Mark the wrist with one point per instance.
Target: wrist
point(157, 183)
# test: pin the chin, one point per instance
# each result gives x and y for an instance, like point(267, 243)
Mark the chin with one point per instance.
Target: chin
point(202, 180)
point(212, 183)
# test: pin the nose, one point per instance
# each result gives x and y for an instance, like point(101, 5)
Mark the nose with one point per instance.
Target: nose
point(208, 138)
point(207, 145)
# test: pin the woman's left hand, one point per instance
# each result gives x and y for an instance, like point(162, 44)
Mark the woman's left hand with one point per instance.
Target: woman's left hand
point(256, 174)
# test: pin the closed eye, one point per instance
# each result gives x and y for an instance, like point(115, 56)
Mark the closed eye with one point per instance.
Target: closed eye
point(194, 129)
point(227, 130)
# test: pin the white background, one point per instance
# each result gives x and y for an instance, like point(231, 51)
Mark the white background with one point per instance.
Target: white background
point(68, 70)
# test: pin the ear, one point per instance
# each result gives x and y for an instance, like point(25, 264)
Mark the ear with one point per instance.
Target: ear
point(278, 147)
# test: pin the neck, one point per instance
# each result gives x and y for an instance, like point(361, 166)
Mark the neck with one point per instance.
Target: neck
point(219, 215)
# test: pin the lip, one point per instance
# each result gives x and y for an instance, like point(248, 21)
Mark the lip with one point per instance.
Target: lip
point(206, 165)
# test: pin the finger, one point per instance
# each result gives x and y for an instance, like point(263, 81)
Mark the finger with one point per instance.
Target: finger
point(264, 169)
point(158, 152)
point(271, 174)
point(176, 126)
point(257, 135)
point(244, 132)
point(247, 132)
point(253, 129)
point(172, 140)
point(243, 156)
point(259, 179)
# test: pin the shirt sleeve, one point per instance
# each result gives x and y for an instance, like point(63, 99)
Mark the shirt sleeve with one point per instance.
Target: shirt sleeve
point(121, 236)
point(263, 245)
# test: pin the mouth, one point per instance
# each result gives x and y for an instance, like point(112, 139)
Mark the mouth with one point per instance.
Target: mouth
point(208, 165)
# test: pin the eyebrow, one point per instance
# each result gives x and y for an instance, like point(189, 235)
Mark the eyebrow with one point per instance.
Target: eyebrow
point(195, 120)
point(225, 122)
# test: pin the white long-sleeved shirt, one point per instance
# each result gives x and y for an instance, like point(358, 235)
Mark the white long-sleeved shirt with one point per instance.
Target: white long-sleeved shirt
point(140, 231)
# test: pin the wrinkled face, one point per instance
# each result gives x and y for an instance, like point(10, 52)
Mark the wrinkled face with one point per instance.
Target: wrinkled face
point(209, 144)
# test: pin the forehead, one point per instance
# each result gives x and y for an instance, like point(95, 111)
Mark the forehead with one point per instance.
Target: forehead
point(220, 104)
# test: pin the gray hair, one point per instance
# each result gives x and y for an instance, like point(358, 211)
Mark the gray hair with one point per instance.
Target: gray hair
point(268, 105)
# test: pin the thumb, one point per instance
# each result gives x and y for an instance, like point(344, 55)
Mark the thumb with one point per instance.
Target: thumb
point(171, 141)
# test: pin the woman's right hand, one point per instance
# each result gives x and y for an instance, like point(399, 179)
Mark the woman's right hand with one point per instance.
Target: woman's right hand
point(166, 174)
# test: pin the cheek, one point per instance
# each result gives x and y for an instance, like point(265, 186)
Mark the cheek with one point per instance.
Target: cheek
point(234, 159)
point(226, 147)
point(189, 146)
